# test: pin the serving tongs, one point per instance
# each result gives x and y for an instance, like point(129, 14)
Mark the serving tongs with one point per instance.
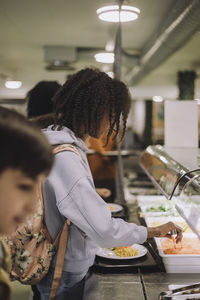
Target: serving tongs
point(167, 295)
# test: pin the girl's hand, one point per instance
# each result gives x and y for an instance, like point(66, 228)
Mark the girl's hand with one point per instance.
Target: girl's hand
point(166, 230)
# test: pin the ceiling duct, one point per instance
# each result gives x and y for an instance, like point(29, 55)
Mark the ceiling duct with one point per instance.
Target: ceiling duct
point(59, 58)
point(178, 28)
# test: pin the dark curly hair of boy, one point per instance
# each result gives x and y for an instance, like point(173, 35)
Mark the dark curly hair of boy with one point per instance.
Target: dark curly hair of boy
point(84, 99)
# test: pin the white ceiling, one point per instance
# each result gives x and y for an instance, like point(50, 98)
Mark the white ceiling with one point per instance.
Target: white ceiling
point(27, 26)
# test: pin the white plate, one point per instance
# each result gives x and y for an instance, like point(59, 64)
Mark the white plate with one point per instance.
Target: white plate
point(107, 253)
point(114, 207)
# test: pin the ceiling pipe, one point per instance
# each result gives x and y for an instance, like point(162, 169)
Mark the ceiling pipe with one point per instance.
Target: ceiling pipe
point(175, 33)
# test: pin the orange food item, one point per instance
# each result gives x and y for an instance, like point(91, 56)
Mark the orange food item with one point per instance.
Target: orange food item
point(186, 246)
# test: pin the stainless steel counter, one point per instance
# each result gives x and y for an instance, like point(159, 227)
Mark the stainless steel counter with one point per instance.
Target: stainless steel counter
point(156, 283)
point(137, 286)
point(116, 287)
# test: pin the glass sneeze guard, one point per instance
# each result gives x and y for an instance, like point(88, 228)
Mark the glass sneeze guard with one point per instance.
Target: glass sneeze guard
point(163, 170)
point(173, 179)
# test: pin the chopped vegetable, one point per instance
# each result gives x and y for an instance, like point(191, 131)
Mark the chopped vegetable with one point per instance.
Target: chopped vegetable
point(158, 208)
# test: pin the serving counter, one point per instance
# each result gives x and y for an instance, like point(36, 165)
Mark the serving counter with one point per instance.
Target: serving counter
point(175, 172)
point(140, 285)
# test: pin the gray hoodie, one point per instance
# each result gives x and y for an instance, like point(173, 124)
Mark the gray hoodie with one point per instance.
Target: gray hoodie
point(69, 192)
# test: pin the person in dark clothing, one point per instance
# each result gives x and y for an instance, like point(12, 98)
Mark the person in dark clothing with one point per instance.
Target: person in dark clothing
point(39, 103)
point(39, 98)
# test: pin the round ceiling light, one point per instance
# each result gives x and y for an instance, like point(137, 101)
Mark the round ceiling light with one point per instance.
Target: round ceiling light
point(110, 13)
point(105, 57)
point(157, 98)
point(13, 84)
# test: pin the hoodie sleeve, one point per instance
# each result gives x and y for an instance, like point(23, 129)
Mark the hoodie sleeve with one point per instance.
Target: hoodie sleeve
point(88, 211)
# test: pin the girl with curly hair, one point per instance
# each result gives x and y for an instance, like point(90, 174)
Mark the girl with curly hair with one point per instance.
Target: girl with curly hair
point(89, 104)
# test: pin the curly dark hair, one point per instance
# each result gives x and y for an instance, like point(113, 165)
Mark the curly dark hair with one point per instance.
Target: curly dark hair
point(84, 99)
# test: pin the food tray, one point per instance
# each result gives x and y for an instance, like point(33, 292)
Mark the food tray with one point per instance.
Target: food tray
point(156, 221)
point(158, 209)
point(175, 263)
point(152, 221)
point(156, 206)
point(145, 199)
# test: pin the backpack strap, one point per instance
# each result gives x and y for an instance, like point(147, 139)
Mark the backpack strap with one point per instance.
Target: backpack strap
point(58, 149)
point(60, 259)
point(62, 237)
point(66, 147)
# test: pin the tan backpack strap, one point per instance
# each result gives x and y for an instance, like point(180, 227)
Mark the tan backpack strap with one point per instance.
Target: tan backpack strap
point(59, 260)
point(41, 195)
point(66, 147)
point(62, 237)
point(57, 149)
point(56, 242)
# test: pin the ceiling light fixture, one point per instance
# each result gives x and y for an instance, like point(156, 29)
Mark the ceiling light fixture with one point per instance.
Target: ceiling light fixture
point(105, 57)
point(110, 13)
point(13, 84)
point(157, 98)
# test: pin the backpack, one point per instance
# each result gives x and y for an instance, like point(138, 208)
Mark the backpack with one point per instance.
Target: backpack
point(31, 246)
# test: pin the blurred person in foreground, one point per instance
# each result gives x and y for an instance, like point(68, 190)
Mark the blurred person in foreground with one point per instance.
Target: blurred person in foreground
point(26, 159)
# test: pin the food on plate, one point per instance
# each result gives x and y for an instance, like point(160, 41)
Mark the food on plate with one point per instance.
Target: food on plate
point(112, 208)
point(186, 246)
point(125, 251)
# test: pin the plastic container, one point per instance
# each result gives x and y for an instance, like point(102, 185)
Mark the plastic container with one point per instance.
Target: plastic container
point(175, 263)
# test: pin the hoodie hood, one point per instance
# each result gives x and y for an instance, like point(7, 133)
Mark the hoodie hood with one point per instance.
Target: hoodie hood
point(65, 135)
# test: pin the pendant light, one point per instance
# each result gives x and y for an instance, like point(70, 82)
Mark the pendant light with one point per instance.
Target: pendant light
point(110, 13)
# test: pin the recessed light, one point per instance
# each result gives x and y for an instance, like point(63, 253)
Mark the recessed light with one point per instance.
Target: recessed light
point(157, 98)
point(105, 57)
point(13, 84)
